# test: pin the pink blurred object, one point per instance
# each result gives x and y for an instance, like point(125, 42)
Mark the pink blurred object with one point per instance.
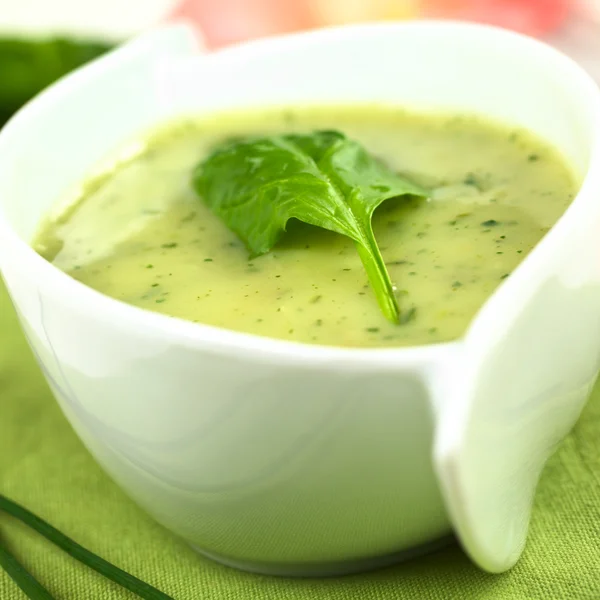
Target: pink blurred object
point(227, 21)
point(591, 9)
point(533, 17)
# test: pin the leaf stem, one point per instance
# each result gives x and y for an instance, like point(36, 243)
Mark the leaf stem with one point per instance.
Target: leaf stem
point(124, 579)
point(379, 278)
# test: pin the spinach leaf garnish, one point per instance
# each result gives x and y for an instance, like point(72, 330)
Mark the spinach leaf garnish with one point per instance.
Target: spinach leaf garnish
point(256, 185)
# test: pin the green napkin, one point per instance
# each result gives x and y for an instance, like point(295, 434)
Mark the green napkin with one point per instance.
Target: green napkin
point(44, 467)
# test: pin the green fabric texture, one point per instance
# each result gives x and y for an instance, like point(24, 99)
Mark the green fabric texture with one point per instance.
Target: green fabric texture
point(44, 467)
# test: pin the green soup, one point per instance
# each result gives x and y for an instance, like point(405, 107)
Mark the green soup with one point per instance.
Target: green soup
point(138, 232)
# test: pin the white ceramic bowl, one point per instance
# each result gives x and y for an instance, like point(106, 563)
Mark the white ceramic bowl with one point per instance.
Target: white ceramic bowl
point(291, 458)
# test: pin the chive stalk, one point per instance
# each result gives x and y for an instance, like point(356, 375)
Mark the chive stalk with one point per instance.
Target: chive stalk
point(71, 547)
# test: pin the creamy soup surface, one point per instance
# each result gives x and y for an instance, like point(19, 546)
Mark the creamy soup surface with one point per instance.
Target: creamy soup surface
point(137, 231)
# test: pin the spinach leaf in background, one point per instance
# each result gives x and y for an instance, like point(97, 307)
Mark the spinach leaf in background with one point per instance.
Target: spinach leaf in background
point(324, 179)
point(27, 67)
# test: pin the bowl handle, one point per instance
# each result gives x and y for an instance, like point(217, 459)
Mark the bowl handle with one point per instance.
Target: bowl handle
point(510, 392)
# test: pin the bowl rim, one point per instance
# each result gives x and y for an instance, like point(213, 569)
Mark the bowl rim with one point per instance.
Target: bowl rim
point(70, 292)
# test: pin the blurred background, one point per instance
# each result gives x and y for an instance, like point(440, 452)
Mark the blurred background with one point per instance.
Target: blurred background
point(42, 39)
